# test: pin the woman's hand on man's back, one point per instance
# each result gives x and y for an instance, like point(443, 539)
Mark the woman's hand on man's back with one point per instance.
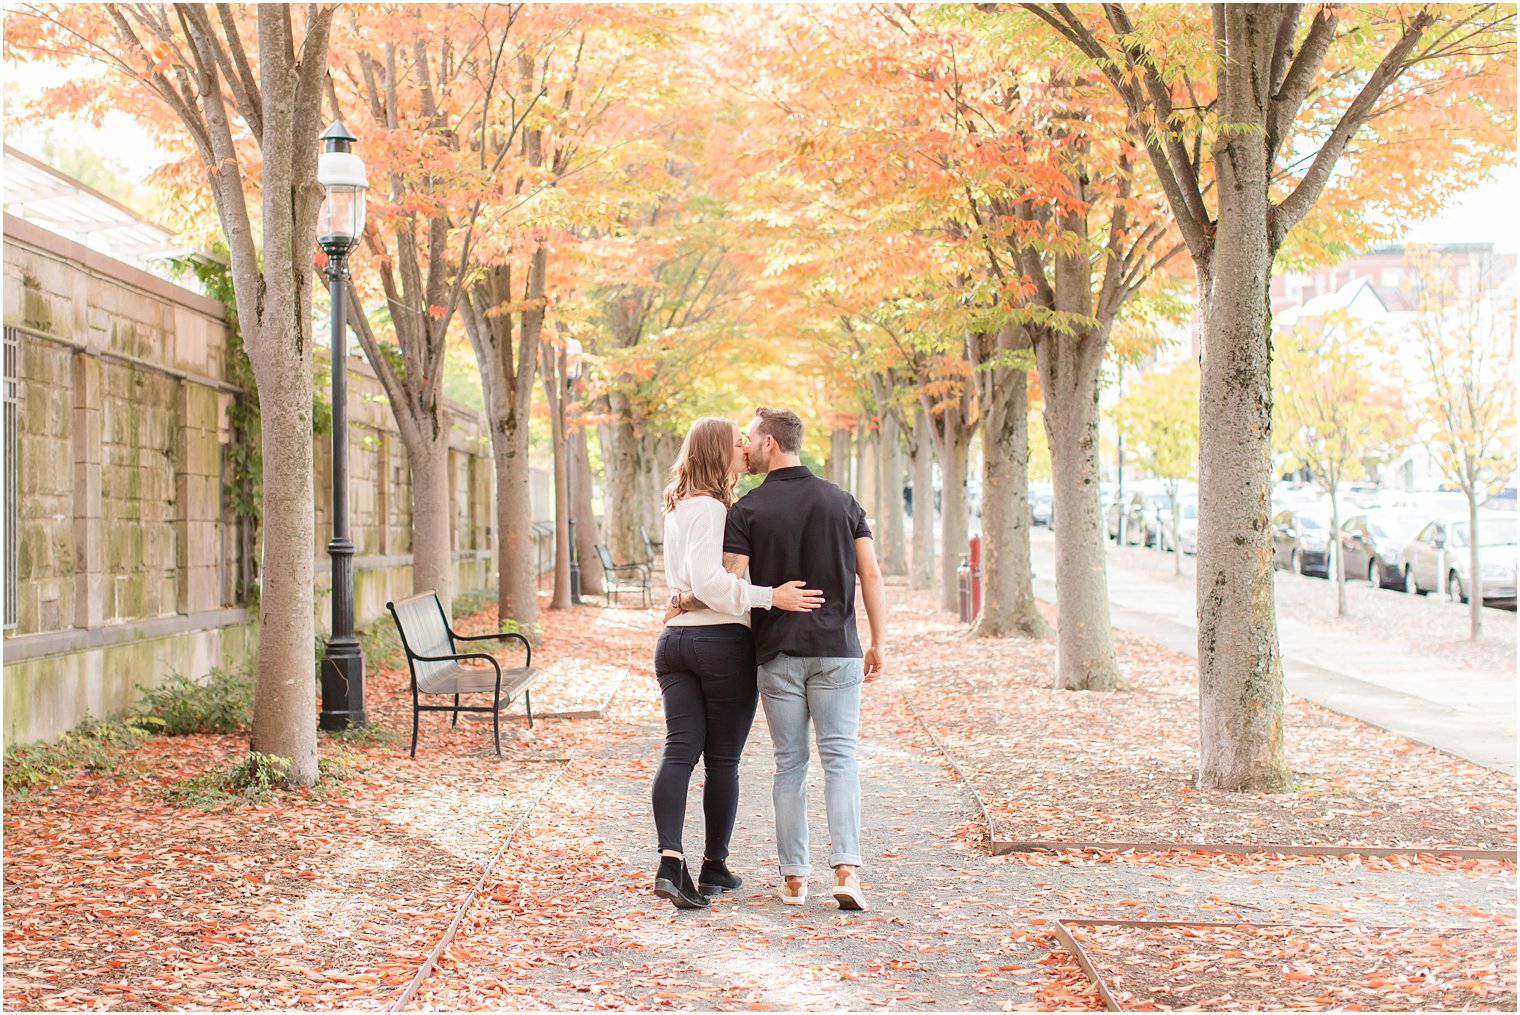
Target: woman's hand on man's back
point(793, 598)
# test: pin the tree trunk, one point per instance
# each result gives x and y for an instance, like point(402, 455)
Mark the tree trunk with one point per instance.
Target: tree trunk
point(508, 359)
point(516, 591)
point(1475, 575)
point(922, 573)
point(284, 713)
point(656, 455)
point(890, 522)
point(555, 402)
point(1333, 565)
point(1176, 536)
point(952, 445)
point(587, 531)
point(838, 468)
point(1008, 604)
point(1069, 374)
point(432, 550)
point(1239, 667)
point(863, 461)
point(621, 460)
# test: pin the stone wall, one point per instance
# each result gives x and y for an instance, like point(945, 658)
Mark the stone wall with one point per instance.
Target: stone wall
point(128, 553)
point(45, 563)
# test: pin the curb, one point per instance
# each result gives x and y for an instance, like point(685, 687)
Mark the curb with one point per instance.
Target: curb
point(955, 766)
point(1061, 927)
point(1004, 847)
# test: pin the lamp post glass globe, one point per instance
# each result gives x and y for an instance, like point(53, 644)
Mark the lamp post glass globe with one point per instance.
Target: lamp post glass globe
point(340, 222)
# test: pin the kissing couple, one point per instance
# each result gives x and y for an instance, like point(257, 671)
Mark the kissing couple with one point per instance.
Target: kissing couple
point(762, 607)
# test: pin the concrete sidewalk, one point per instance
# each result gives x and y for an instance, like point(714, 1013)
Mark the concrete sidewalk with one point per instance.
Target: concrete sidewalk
point(1462, 711)
point(567, 921)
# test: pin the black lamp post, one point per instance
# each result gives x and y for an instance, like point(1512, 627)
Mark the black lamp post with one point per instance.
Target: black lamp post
point(339, 226)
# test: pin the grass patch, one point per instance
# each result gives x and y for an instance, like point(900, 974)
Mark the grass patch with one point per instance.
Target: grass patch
point(223, 703)
point(256, 779)
point(372, 735)
point(95, 745)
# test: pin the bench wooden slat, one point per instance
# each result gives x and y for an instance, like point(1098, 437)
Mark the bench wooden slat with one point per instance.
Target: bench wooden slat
point(457, 679)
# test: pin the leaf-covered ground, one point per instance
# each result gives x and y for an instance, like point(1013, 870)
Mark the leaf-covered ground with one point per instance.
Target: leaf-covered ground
point(116, 900)
point(1308, 968)
point(1057, 765)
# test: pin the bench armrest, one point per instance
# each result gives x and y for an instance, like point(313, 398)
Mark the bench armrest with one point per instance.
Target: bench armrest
point(499, 636)
point(642, 569)
point(460, 657)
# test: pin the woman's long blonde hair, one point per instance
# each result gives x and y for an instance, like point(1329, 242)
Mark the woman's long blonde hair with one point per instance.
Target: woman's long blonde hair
point(703, 464)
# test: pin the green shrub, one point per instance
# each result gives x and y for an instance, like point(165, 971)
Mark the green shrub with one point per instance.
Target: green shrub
point(94, 745)
point(372, 735)
point(467, 604)
point(256, 778)
point(223, 703)
point(380, 646)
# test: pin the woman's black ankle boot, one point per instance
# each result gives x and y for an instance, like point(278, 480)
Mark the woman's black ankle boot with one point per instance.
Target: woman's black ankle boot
point(673, 882)
point(716, 877)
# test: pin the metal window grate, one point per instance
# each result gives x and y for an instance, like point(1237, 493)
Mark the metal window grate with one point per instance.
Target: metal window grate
point(12, 481)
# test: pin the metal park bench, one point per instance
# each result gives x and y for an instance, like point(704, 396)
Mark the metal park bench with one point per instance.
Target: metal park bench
point(620, 578)
point(652, 546)
point(433, 657)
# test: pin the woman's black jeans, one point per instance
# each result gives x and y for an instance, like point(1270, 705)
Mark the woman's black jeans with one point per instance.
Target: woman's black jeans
point(707, 680)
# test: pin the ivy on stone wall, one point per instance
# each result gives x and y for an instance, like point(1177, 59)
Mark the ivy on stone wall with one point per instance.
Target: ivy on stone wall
point(245, 456)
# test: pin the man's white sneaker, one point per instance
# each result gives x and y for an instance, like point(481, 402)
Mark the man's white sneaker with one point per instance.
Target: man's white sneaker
point(848, 893)
point(793, 895)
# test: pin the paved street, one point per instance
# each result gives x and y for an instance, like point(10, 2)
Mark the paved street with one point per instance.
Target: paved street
point(1399, 662)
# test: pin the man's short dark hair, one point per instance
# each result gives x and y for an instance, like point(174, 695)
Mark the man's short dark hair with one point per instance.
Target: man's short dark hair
point(782, 424)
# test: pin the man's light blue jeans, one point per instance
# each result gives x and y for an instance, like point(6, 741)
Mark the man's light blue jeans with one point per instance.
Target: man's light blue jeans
point(795, 690)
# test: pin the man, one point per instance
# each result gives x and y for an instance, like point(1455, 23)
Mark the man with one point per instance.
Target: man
point(811, 666)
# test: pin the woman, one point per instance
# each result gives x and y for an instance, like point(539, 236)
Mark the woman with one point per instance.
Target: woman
point(705, 660)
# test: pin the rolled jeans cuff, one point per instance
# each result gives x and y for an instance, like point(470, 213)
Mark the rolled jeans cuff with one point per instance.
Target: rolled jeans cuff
point(799, 870)
point(853, 859)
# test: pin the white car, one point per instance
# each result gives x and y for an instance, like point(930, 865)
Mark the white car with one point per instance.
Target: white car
point(1187, 527)
point(1444, 543)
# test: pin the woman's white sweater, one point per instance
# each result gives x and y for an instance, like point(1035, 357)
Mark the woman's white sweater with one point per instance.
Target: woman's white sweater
point(694, 563)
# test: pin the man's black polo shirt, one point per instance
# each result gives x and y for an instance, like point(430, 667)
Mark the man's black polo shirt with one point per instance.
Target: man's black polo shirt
point(797, 527)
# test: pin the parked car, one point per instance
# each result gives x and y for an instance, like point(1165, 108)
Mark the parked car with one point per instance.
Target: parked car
point(1424, 556)
point(1434, 504)
point(1358, 495)
point(1372, 544)
point(1301, 540)
point(1155, 518)
point(1139, 508)
point(1294, 494)
point(1111, 511)
point(1042, 507)
point(1187, 526)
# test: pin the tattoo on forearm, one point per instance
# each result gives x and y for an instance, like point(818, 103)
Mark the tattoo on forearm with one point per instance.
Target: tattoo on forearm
point(730, 560)
point(689, 601)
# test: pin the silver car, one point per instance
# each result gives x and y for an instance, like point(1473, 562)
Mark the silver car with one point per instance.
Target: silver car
point(1444, 544)
point(1187, 526)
